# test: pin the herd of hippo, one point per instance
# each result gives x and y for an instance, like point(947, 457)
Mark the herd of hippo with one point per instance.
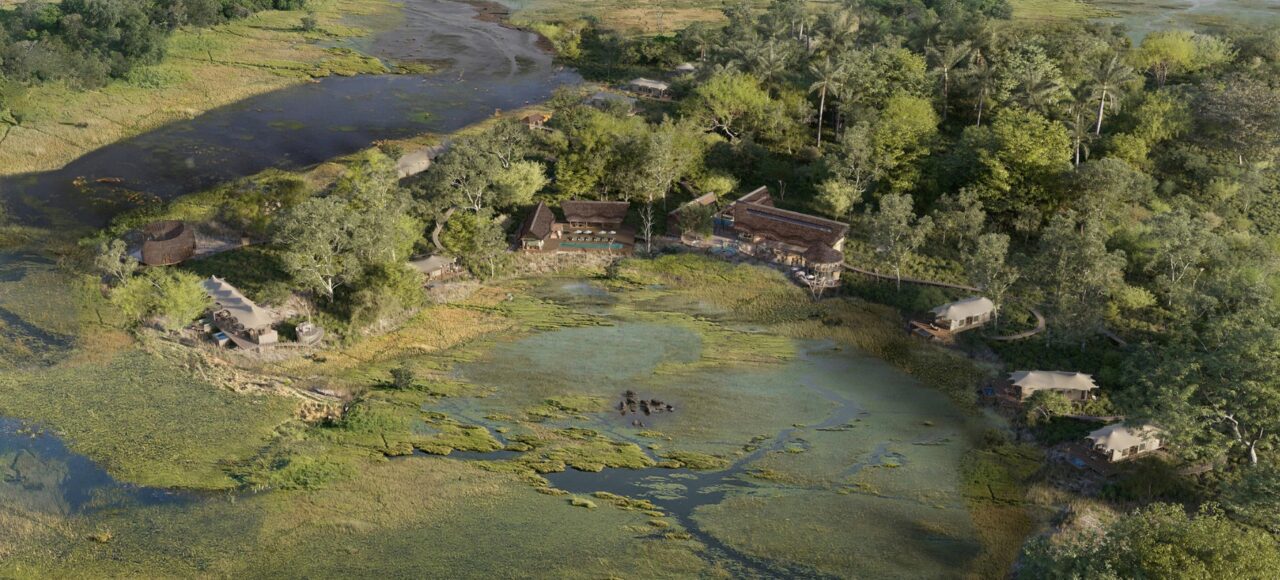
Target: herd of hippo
point(633, 404)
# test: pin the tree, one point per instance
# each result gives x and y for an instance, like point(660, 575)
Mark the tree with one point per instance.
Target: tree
point(1043, 406)
point(113, 260)
point(1242, 115)
point(945, 60)
point(837, 197)
point(960, 215)
point(989, 270)
point(1180, 51)
point(1017, 162)
point(402, 377)
point(1077, 274)
point(982, 81)
point(478, 242)
point(895, 231)
point(172, 297)
point(730, 103)
point(696, 219)
point(901, 136)
point(1180, 243)
point(1254, 497)
point(652, 161)
point(827, 78)
point(1158, 541)
point(1216, 391)
point(1109, 77)
point(317, 240)
point(856, 164)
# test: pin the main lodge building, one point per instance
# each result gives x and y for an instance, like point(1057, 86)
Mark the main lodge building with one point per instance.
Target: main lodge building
point(786, 237)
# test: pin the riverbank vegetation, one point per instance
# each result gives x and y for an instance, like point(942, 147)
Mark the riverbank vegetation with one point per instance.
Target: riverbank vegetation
point(71, 83)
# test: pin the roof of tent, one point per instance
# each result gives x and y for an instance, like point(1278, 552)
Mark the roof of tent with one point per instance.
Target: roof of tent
point(962, 309)
point(1058, 380)
point(1121, 436)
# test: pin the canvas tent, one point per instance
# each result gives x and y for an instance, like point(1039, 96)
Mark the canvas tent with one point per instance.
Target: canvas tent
point(1076, 386)
point(1118, 441)
point(964, 314)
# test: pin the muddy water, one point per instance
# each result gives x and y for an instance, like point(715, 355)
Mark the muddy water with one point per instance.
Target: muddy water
point(486, 68)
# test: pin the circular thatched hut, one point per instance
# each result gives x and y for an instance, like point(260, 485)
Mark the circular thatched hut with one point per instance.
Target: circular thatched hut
point(167, 243)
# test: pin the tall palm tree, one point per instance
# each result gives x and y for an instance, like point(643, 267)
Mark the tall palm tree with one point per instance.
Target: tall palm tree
point(945, 60)
point(842, 28)
point(1039, 92)
point(1079, 121)
point(1110, 76)
point(769, 61)
point(827, 77)
point(982, 79)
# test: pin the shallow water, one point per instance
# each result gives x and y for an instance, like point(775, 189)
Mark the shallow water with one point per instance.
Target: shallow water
point(38, 473)
point(831, 424)
point(488, 68)
point(1142, 17)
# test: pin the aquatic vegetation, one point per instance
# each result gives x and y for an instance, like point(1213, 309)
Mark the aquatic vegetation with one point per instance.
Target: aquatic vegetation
point(696, 461)
point(583, 503)
point(181, 430)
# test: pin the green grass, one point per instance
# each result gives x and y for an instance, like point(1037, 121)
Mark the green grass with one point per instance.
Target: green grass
point(147, 417)
point(203, 69)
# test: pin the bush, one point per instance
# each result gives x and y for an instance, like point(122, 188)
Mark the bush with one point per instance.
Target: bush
point(172, 297)
point(402, 377)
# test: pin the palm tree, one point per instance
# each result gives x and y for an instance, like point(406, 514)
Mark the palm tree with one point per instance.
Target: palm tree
point(827, 78)
point(769, 61)
point(1038, 92)
point(1109, 77)
point(945, 60)
point(982, 77)
point(842, 28)
point(1079, 121)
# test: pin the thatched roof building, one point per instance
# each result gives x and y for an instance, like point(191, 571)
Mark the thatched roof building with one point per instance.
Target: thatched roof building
point(790, 227)
point(595, 213)
point(167, 243)
point(536, 228)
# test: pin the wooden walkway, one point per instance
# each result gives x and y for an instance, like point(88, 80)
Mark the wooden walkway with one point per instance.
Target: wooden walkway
point(1040, 326)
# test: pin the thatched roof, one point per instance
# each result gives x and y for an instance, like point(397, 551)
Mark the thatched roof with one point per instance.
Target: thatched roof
point(227, 298)
point(787, 226)
point(759, 195)
point(702, 200)
point(538, 225)
point(1055, 380)
point(962, 309)
point(1118, 436)
point(594, 212)
point(823, 255)
point(168, 242)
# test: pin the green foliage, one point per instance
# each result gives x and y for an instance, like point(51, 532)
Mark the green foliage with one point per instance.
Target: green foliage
point(1159, 541)
point(478, 242)
point(1044, 406)
point(113, 260)
point(172, 297)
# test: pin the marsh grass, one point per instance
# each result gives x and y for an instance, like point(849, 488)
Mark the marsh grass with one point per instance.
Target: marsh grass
point(146, 417)
point(202, 70)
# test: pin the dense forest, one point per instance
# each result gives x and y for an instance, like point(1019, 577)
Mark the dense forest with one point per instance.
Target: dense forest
point(87, 42)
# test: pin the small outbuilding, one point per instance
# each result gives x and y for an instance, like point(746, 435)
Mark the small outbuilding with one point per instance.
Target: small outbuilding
point(1118, 441)
point(603, 100)
point(437, 268)
point(649, 88)
point(536, 120)
point(963, 315)
point(685, 68)
point(167, 243)
point(1075, 386)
